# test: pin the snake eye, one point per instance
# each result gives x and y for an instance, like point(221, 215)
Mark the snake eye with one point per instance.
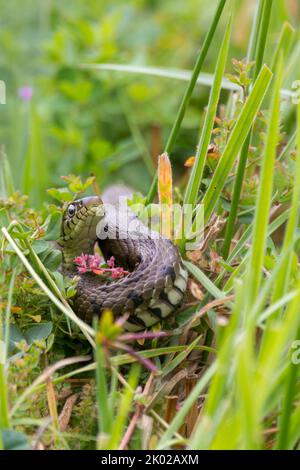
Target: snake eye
point(71, 210)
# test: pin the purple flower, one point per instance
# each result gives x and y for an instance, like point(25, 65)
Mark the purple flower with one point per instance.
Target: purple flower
point(25, 93)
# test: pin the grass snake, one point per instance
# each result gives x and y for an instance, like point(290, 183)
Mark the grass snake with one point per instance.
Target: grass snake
point(157, 281)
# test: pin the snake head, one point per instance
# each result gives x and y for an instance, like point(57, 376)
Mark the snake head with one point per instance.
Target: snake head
point(82, 208)
point(78, 228)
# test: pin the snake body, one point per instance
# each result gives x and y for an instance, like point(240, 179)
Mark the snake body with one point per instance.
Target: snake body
point(157, 281)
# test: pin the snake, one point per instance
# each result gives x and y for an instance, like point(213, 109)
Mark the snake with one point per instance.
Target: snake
point(157, 279)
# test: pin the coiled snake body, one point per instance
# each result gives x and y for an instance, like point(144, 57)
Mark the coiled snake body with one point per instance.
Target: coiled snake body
point(157, 281)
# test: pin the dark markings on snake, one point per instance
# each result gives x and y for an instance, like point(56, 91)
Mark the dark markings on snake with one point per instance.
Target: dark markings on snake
point(136, 298)
point(69, 222)
point(169, 270)
point(134, 320)
point(178, 290)
point(96, 309)
point(163, 296)
point(156, 312)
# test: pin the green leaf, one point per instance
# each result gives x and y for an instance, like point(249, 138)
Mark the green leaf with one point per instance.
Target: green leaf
point(53, 229)
point(13, 440)
point(15, 336)
point(40, 246)
point(38, 332)
point(61, 194)
point(52, 259)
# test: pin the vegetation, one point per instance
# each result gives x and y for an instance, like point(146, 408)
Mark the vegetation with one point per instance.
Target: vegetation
point(100, 90)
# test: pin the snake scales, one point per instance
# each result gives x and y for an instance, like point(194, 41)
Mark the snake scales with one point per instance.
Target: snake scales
point(157, 281)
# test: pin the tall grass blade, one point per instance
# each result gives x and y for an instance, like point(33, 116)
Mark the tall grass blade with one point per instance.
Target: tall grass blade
point(188, 93)
point(124, 408)
point(104, 411)
point(192, 188)
point(264, 196)
point(6, 179)
point(255, 52)
point(280, 289)
point(283, 277)
point(236, 139)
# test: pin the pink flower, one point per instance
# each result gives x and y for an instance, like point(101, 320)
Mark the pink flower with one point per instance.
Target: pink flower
point(116, 273)
point(92, 263)
point(82, 270)
point(95, 261)
point(25, 93)
point(81, 262)
point(111, 262)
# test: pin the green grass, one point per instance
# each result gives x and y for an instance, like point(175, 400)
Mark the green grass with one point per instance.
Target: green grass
point(193, 185)
point(264, 194)
point(256, 50)
point(189, 90)
point(224, 376)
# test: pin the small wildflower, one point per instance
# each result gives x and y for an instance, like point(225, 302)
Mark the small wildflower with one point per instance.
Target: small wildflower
point(95, 261)
point(116, 273)
point(81, 262)
point(25, 93)
point(111, 262)
point(96, 265)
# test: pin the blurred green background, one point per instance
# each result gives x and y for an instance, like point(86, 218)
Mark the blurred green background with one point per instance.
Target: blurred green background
point(111, 124)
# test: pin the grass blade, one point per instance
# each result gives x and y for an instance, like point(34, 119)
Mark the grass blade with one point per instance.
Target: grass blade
point(104, 410)
point(184, 75)
point(280, 289)
point(125, 404)
point(204, 280)
point(192, 188)
point(255, 52)
point(264, 197)
point(283, 277)
point(236, 139)
point(67, 311)
point(188, 93)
